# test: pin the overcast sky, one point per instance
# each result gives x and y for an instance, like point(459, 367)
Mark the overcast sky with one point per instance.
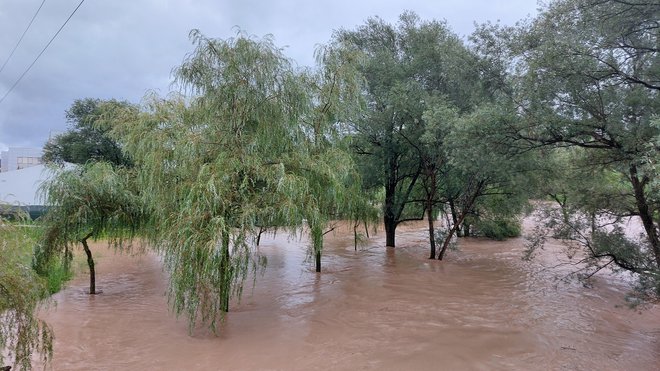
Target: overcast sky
point(122, 49)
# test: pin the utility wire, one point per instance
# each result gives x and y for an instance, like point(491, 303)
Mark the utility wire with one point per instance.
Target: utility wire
point(40, 53)
point(22, 36)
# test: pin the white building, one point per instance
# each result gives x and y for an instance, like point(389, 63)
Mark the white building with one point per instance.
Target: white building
point(16, 158)
point(20, 188)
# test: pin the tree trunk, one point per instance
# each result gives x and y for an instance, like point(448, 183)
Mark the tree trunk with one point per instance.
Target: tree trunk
point(466, 209)
point(318, 261)
point(445, 244)
point(390, 231)
point(226, 274)
point(454, 214)
point(261, 230)
point(389, 212)
point(90, 263)
point(431, 228)
point(645, 212)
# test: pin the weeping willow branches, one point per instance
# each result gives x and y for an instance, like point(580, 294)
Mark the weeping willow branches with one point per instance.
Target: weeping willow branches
point(21, 332)
point(248, 143)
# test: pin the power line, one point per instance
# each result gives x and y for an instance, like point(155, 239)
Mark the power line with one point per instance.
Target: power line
point(40, 53)
point(22, 36)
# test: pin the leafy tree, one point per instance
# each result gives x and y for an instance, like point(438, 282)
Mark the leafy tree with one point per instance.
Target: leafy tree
point(586, 77)
point(94, 201)
point(88, 139)
point(407, 67)
point(488, 183)
point(249, 143)
point(21, 290)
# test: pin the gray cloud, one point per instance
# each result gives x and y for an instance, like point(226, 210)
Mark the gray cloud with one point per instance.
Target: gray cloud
point(122, 49)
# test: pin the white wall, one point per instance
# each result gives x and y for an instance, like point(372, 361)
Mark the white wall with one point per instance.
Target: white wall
point(20, 158)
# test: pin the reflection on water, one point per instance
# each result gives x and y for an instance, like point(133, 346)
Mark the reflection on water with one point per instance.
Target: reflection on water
point(377, 308)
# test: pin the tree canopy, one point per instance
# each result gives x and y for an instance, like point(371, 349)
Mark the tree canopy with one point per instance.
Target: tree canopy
point(246, 144)
point(88, 201)
point(585, 76)
point(87, 139)
point(407, 67)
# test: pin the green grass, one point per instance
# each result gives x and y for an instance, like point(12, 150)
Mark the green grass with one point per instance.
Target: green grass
point(24, 236)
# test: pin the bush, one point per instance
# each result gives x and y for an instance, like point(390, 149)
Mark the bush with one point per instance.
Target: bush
point(498, 229)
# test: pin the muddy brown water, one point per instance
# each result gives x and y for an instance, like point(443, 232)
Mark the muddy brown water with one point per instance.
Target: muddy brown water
point(374, 309)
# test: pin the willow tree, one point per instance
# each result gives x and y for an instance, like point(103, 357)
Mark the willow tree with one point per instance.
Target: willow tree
point(87, 202)
point(21, 290)
point(239, 147)
point(335, 92)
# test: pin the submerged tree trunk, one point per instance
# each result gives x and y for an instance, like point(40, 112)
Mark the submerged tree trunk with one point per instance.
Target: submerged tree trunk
point(390, 208)
point(389, 214)
point(90, 263)
point(645, 212)
point(466, 209)
point(261, 231)
point(390, 231)
point(317, 234)
point(454, 215)
point(447, 240)
point(226, 274)
point(431, 229)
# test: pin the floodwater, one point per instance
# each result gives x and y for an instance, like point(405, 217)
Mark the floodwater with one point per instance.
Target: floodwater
point(374, 309)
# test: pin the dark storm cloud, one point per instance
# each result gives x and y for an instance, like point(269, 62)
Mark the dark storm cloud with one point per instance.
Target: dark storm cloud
point(122, 49)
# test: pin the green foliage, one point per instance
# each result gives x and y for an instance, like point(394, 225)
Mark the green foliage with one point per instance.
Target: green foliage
point(92, 200)
point(602, 243)
point(584, 77)
point(21, 333)
point(497, 228)
point(88, 139)
point(409, 68)
point(250, 142)
point(56, 274)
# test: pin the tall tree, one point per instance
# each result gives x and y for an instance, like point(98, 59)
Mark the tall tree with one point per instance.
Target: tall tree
point(405, 66)
point(245, 145)
point(88, 202)
point(87, 139)
point(335, 185)
point(587, 77)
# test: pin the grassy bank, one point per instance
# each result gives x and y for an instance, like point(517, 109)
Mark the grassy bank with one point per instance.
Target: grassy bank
point(21, 238)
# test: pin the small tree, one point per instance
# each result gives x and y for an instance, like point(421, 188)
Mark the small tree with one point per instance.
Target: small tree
point(88, 201)
point(488, 176)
